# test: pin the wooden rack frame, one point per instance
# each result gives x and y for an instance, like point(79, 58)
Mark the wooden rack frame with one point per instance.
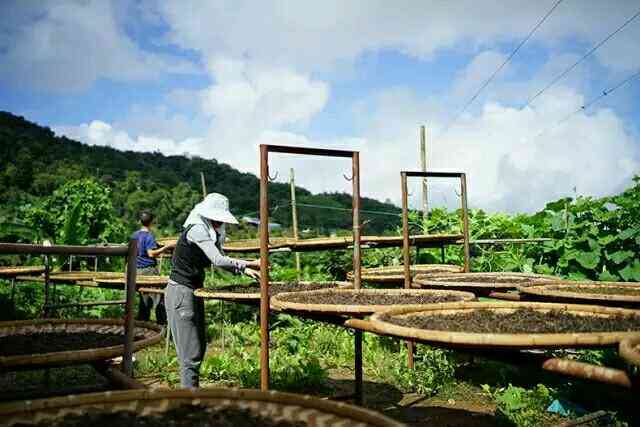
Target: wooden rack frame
point(265, 149)
point(128, 251)
point(406, 247)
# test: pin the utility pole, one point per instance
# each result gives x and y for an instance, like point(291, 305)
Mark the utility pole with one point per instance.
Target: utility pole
point(423, 166)
point(294, 216)
point(204, 185)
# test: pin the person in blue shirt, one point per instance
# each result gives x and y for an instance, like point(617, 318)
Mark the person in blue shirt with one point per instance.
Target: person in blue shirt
point(146, 265)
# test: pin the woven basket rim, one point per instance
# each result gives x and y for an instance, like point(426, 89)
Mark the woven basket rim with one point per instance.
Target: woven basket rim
point(87, 355)
point(533, 276)
point(547, 290)
point(140, 280)
point(279, 301)
point(145, 399)
point(210, 293)
point(629, 349)
point(523, 340)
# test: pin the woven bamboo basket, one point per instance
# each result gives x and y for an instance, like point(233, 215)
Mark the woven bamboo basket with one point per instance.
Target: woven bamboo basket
point(146, 334)
point(395, 274)
point(272, 405)
point(503, 340)
point(481, 283)
point(221, 294)
point(10, 272)
point(146, 281)
point(629, 349)
point(281, 301)
point(556, 293)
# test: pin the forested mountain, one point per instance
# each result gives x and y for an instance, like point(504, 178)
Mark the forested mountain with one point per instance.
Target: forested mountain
point(34, 163)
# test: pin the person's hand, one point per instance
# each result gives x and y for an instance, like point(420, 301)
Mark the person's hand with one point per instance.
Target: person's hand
point(253, 264)
point(171, 245)
point(254, 274)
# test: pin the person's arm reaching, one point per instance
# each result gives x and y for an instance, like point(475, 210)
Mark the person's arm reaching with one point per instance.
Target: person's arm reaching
point(154, 253)
point(200, 237)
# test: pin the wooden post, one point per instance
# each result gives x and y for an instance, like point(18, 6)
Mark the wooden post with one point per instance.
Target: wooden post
point(406, 252)
point(294, 216)
point(129, 321)
point(47, 270)
point(204, 185)
point(264, 268)
point(465, 221)
point(423, 168)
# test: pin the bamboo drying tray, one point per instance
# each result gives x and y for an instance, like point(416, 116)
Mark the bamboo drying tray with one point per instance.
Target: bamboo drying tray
point(146, 281)
point(629, 349)
point(556, 293)
point(481, 283)
point(221, 294)
point(75, 276)
point(322, 243)
point(395, 274)
point(146, 334)
point(9, 272)
point(280, 302)
point(273, 405)
point(503, 340)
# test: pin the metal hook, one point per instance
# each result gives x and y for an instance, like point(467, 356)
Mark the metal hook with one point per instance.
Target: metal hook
point(274, 178)
point(348, 178)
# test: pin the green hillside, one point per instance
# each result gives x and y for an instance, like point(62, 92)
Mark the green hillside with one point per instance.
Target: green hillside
point(34, 163)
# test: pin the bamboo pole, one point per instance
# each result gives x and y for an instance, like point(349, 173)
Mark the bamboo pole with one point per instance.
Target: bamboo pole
point(423, 167)
point(204, 185)
point(294, 216)
point(264, 268)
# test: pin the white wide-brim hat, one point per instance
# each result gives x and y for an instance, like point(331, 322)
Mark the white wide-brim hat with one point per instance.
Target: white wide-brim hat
point(215, 207)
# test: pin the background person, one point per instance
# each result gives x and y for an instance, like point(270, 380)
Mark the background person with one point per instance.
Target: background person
point(146, 265)
point(199, 246)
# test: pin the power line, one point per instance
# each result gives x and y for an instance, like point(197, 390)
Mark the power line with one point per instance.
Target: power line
point(585, 56)
point(495, 73)
point(592, 101)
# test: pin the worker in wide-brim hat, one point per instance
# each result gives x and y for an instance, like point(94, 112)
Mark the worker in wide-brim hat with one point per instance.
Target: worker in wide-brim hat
point(199, 246)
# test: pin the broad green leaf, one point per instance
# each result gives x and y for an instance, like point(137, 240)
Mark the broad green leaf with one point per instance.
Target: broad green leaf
point(605, 240)
point(628, 233)
point(588, 260)
point(620, 256)
point(605, 276)
point(631, 272)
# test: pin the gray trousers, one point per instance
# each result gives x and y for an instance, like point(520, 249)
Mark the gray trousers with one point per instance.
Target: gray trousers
point(185, 314)
point(151, 302)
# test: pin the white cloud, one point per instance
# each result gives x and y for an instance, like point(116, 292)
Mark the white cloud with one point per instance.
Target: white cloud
point(100, 133)
point(312, 35)
point(67, 46)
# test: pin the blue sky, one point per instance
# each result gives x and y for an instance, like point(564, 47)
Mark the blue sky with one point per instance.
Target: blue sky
point(217, 78)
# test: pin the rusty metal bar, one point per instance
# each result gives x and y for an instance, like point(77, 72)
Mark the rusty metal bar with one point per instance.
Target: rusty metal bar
point(129, 321)
point(359, 377)
point(434, 174)
point(465, 221)
point(588, 371)
point(264, 267)
point(307, 151)
point(21, 248)
point(406, 253)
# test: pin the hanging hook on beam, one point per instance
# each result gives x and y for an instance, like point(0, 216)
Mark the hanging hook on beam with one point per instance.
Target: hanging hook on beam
point(274, 177)
point(347, 177)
